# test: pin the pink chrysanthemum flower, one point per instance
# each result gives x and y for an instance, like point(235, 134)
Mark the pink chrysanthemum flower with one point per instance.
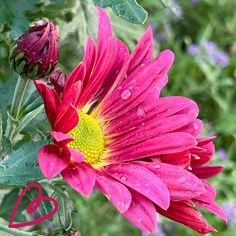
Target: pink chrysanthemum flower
point(113, 131)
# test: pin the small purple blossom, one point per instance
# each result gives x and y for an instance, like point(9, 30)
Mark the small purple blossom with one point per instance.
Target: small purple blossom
point(223, 156)
point(230, 211)
point(195, 1)
point(208, 50)
point(193, 49)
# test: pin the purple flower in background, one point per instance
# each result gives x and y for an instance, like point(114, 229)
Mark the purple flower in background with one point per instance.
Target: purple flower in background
point(195, 1)
point(208, 50)
point(230, 211)
point(222, 154)
point(193, 49)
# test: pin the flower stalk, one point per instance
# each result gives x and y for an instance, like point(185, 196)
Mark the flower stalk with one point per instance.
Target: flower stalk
point(18, 96)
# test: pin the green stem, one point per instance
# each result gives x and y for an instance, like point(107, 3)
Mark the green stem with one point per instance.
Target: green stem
point(14, 232)
point(19, 93)
point(27, 119)
point(18, 96)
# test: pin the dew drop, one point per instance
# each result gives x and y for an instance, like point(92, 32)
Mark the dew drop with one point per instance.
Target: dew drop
point(125, 95)
point(157, 166)
point(141, 112)
point(182, 180)
point(147, 184)
point(123, 178)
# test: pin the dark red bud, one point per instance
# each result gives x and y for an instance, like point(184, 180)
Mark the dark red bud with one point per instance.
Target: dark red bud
point(35, 53)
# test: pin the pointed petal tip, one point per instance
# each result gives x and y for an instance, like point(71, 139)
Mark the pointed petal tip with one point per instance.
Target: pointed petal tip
point(50, 162)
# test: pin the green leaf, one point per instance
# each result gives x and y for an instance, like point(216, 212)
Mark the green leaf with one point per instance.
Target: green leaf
point(173, 7)
point(14, 13)
point(45, 207)
point(65, 208)
point(127, 9)
point(7, 204)
point(21, 166)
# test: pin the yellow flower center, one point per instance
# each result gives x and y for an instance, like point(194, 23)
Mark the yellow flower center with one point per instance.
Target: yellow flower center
point(88, 139)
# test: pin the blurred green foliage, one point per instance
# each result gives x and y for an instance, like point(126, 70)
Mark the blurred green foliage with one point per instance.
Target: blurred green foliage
point(177, 26)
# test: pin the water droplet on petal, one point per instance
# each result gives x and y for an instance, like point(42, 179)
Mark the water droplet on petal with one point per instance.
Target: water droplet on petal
point(147, 184)
point(141, 112)
point(123, 178)
point(126, 94)
point(182, 180)
point(157, 166)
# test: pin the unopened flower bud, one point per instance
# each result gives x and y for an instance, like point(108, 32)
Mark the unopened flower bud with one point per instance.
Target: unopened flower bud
point(35, 53)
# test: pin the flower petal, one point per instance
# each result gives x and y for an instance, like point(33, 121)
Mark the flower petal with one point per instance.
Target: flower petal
point(187, 215)
point(67, 118)
point(116, 192)
point(205, 172)
point(160, 145)
point(143, 51)
point(141, 213)
point(181, 184)
point(72, 94)
point(111, 79)
point(104, 61)
point(50, 98)
point(104, 27)
point(181, 159)
point(141, 180)
point(76, 156)
point(60, 137)
point(154, 127)
point(77, 74)
point(50, 161)
point(136, 87)
point(149, 110)
point(80, 177)
point(212, 207)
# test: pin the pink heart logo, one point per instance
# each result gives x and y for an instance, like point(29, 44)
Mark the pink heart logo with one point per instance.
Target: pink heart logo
point(32, 207)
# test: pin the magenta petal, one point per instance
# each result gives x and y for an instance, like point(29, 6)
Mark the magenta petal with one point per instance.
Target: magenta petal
point(104, 27)
point(181, 184)
point(152, 128)
point(72, 94)
point(212, 207)
point(77, 74)
point(205, 172)
point(141, 180)
point(187, 215)
point(143, 51)
point(76, 156)
point(61, 137)
point(50, 98)
point(50, 162)
point(142, 213)
point(67, 118)
point(136, 87)
point(116, 192)
point(209, 195)
point(80, 177)
point(159, 145)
